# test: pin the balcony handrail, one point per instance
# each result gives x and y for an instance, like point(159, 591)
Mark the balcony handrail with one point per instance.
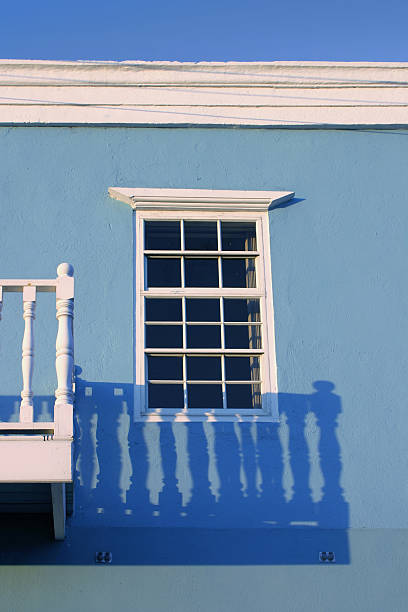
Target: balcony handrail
point(63, 286)
point(17, 284)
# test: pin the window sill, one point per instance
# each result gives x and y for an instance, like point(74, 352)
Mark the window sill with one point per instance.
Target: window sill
point(208, 418)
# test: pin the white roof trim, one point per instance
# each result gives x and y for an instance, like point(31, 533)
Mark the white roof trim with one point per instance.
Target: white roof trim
point(196, 199)
point(262, 94)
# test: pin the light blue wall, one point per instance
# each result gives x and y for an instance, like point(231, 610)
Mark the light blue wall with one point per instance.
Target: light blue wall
point(339, 258)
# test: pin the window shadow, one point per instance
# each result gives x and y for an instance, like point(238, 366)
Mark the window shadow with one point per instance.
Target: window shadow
point(288, 203)
point(196, 492)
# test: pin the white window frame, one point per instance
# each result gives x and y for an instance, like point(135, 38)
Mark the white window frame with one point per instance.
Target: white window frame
point(205, 205)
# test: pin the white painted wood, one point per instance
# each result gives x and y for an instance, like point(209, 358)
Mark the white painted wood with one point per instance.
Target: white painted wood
point(1, 300)
point(263, 291)
point(21, 436)
point(270, 364)
point(65, 282)
point(40, 452)
point(184, 417)
point(185, 116)
point(64, 363)
point(198, 199)
point(50, 73)
point(58, 509)
point(32, 459)
point(14, 285)
point(63, 285)
point(64, 421)
point(200, 291)
point(198, 253)
point(42, 425)
point(311, 94)
point(118, 98)
point(27, 361)
point(207, 351)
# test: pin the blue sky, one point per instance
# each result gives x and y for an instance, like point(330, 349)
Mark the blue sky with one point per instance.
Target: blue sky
point(348, 30)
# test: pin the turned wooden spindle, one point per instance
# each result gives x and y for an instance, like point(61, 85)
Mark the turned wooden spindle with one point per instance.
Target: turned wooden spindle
point(27, 361)
point(64, 362)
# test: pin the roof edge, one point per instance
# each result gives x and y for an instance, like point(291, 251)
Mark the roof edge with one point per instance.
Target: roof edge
point(43, 92)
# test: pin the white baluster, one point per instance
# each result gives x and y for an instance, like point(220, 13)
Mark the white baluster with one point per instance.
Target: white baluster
point(64, 363)
point(1, 300)
point(27, 362)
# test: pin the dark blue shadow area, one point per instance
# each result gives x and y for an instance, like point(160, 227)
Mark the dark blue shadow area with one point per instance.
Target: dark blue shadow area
point(10, 408)
point(27, 541)
point(196, 492)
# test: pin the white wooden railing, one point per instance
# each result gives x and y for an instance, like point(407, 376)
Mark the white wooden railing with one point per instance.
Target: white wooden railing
point(63, 286)
point(39, 452)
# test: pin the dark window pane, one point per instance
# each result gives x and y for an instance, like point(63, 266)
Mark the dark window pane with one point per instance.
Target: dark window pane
point(164, 368)
point(204, 396)
point(242, 368)
point(200, 236)
point(243, 336)
point(163, 310)
point(162, 272)
point(204, 368)
point(244, 396)
point(241, 310)
point(203, 336)
point(162, 235)
point(201, 272)
point(164, 336)
point(238, 236)
point(203, 310)
point(166, 396)
point(238, 273)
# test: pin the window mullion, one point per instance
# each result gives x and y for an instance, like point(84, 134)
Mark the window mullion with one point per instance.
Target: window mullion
point(222, 323)
point(183, 312)
point(220, 283)
point(145, 282)
point(183, 280)
point(182, 277)
point(182, 234)
point(224, 388)
point(183, 319)
point(185, 382)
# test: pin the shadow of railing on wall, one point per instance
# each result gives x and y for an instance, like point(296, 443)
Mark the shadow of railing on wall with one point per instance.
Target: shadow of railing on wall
point(210, 474)
point(230, 482)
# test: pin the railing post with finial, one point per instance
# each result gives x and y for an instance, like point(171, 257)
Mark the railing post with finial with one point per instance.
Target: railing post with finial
point(27, 360)
point(64, 362)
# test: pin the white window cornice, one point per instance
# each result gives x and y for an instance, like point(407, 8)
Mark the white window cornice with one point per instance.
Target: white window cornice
point(214, 94)
point(199, 199)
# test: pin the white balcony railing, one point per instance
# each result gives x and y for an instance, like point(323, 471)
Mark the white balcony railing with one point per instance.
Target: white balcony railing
point(40, 452)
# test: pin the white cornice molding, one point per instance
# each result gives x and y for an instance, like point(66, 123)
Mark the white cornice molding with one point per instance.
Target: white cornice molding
point(263, 94)
point(133, 73)
point(199, 199)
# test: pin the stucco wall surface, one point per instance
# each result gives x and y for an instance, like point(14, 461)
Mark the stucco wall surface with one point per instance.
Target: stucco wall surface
point(374, 582)
point(339, 258)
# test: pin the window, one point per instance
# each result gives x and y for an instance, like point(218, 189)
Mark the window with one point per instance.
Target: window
point(204, 334)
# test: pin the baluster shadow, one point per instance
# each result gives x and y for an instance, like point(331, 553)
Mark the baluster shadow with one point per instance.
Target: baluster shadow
point(238, 493)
